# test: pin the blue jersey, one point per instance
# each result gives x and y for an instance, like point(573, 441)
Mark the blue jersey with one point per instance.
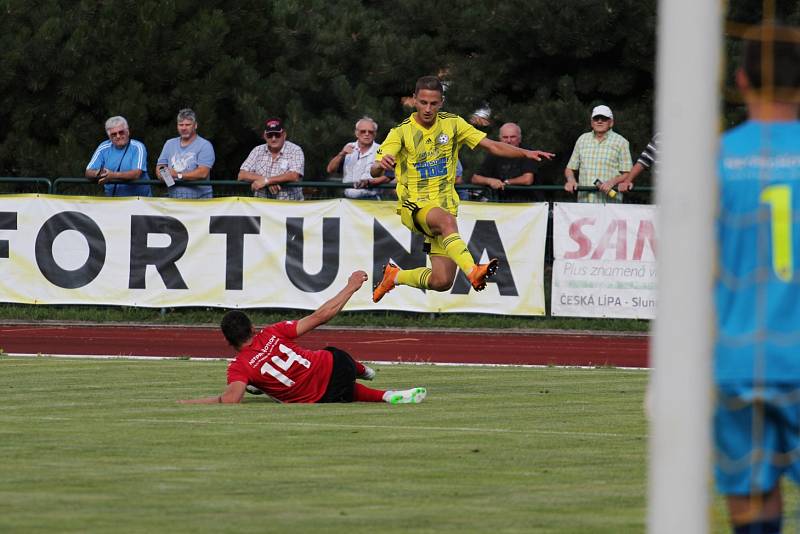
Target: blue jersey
point(132, 156)
point(757, 288)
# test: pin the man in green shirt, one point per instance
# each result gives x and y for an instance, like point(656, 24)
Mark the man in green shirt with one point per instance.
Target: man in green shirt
point(602, 158)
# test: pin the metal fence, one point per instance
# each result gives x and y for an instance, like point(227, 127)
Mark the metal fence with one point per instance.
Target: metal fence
point(312, 190)
point(12, 185)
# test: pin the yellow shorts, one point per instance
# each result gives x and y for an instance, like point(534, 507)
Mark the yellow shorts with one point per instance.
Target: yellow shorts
point(413, 217)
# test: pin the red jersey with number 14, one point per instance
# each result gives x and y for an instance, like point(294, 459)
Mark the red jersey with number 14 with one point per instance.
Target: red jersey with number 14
point(281, 368)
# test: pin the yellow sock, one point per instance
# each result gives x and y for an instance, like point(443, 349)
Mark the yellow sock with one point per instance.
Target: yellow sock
point(414, 277)
point(457, 250)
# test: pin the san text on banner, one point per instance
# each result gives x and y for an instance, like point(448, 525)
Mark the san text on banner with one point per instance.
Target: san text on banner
point(604, 260)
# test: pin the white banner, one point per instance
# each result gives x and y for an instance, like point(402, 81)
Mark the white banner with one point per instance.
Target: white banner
point(604, 260)
point(246, 252)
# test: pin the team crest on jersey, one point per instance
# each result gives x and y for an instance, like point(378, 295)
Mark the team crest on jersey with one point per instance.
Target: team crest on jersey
point(443, 139)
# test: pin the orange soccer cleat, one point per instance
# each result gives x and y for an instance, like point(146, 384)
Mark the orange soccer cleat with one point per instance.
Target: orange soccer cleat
point(390, 271)
point(481, 272)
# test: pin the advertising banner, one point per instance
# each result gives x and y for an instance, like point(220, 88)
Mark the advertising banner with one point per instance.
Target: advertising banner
point(604, 260)
point(248, 252)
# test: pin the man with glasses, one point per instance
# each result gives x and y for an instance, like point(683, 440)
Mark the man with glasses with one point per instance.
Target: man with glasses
point(355, 160)
point(187, 157)
point(602, 157)
point(120, 158)
point(272, 167)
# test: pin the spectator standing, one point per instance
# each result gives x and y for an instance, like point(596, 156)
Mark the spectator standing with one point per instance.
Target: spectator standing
point(355, 160)
point(187, 157)
point(647, 159)
point(120, 158)
point(273, 165)
point(498, 172)
point(756, 363)
point(601, 154)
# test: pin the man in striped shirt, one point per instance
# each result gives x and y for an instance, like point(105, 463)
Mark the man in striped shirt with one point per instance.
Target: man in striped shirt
point(647, 159)
point(602, 158)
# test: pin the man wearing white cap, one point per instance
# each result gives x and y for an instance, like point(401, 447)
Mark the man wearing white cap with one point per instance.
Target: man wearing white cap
point(602, 158)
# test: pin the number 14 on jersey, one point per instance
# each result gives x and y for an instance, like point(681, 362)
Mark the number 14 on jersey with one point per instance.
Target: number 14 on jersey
point(281, 364)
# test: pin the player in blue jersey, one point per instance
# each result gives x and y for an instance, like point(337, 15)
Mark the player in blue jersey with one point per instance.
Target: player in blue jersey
point(757, 290)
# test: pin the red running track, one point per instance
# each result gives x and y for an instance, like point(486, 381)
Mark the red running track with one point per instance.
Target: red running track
point(389, 345)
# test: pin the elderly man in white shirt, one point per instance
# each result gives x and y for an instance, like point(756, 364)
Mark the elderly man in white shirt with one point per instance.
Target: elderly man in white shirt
point(355, 160)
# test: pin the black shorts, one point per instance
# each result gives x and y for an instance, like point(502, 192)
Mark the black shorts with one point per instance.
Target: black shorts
point(343, 377)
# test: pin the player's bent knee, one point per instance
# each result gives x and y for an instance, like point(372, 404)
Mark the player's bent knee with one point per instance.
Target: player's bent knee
point(437, 284)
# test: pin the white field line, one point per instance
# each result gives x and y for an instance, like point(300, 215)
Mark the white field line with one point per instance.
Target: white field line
point(284, 424)
point(378, 341)
point(374, 362)
point(110, 357)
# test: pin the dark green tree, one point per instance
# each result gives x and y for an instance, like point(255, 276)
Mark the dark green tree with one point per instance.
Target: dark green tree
point(68, 65)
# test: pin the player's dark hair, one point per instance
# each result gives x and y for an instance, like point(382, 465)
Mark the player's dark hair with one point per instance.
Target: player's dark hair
point(236, 327)
point(771, 57)
point(431, 83)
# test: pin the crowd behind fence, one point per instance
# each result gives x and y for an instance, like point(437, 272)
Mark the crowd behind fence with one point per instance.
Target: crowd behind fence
point(312, 190)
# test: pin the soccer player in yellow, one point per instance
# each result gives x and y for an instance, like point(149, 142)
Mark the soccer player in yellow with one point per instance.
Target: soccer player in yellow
point(423, 150)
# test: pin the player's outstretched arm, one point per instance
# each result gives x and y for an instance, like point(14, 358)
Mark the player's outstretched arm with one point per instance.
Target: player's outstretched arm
point(328, 311)
point(232, 395)
point(378, 168)
point(504, 150)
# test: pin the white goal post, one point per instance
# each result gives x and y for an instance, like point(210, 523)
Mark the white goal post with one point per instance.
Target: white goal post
point(680, 396)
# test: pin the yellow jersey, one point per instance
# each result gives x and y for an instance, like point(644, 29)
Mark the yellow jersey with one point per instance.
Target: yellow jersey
point(426, 158)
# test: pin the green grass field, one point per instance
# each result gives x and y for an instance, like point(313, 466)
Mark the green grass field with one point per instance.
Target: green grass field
point(101, 446)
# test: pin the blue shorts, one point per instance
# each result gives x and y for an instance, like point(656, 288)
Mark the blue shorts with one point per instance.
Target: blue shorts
point(757, 437)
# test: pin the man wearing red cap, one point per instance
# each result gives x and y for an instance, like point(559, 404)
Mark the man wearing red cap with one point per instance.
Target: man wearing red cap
point(273, 167)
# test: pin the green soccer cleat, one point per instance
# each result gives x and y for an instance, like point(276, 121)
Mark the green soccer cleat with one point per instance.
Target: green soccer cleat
point(406, 396)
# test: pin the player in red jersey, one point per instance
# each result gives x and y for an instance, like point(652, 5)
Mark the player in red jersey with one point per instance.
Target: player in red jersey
point(270, 361)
